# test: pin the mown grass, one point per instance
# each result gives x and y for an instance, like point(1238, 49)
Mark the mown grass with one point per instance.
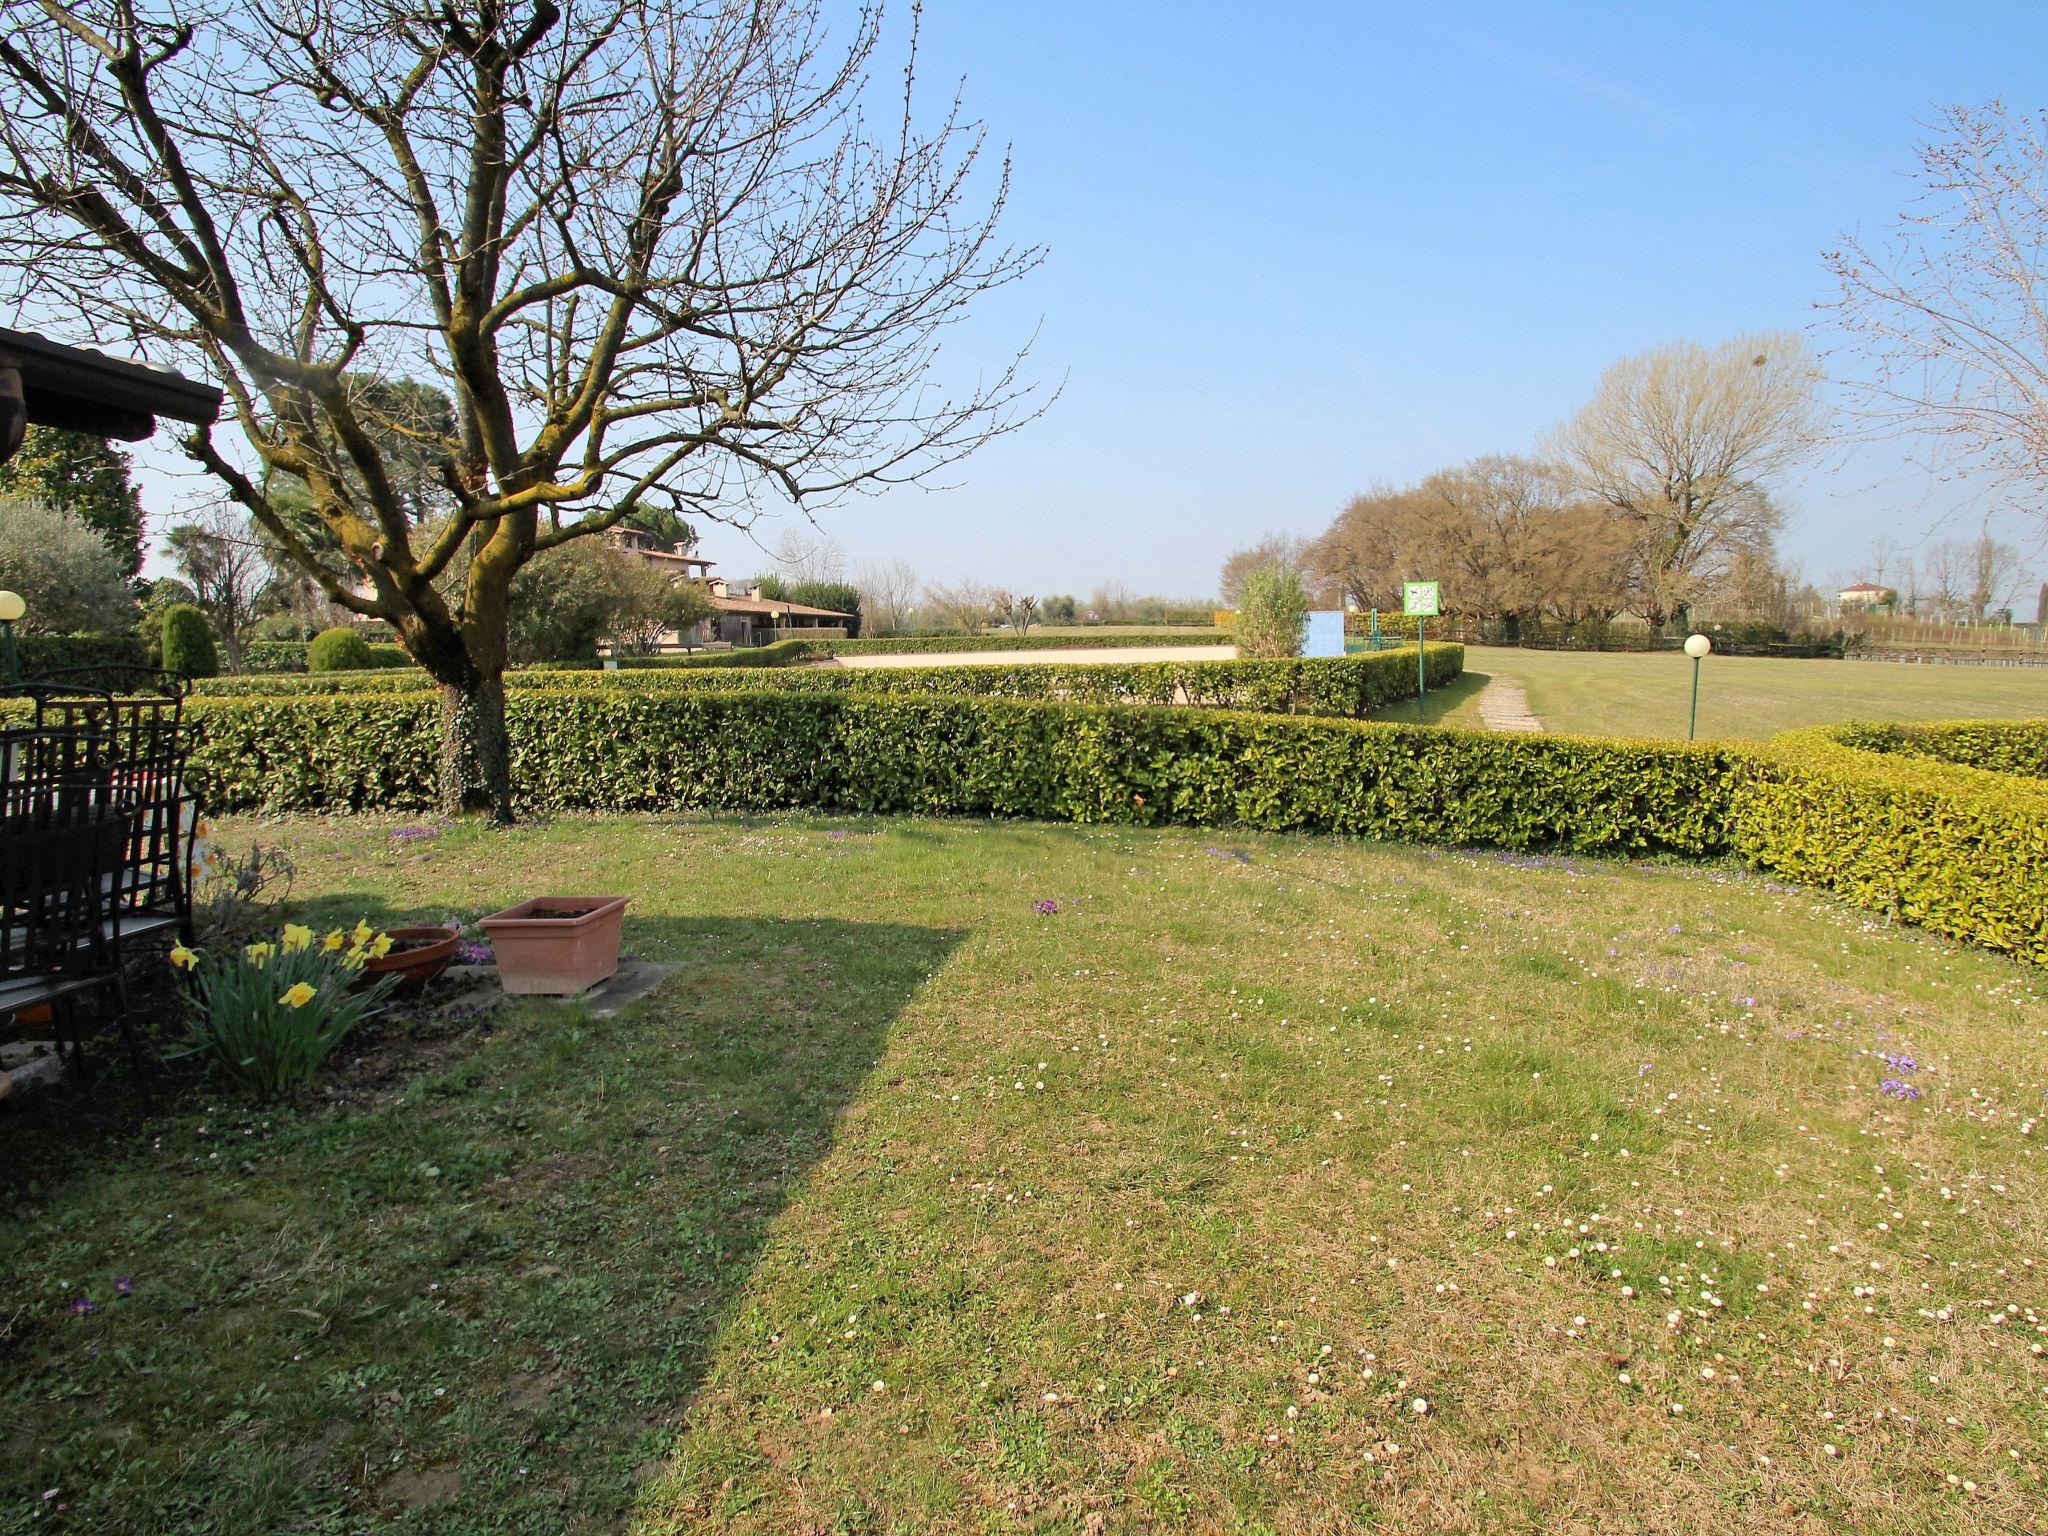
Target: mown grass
point(907, 1207)
point(1617, 693)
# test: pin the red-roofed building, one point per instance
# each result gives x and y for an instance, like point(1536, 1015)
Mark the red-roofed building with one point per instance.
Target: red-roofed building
point(742, 618)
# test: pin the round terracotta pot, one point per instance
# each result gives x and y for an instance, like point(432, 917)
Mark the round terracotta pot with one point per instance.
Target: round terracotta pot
point(430, 951)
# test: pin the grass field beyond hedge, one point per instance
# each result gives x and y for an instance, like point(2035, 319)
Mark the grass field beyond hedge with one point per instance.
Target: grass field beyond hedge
point(906, 1206)
point(1616, 693)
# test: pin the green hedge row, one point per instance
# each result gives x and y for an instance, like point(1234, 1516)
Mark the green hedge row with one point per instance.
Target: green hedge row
point(1353, 686)
point(1959, 849)
point(271, 656)
point(926, 644)
point(2002, 746)
point(648, 749)
point(50, 653)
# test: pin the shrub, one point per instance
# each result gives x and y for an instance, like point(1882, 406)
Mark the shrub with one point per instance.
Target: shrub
point(271, 657)
point(71, 580)
point(269, 1013)
point(1961, 850)
point(338, 650)
point(188, 642)
point(637, 749)
point(51, 653)
point(2002, 746)
point(1272, 613)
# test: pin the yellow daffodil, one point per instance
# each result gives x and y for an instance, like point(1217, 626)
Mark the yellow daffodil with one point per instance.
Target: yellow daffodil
point(334, 941)
point(256, 954)
point(298, 996)
point(297, 937)
point(363, 931)
point(381, 946)
point(184, 959)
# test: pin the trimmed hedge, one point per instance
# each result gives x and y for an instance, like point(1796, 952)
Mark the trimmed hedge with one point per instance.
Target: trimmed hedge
point(647, 749)
point(275, 656)
point(1353, 686)
point(2002, 746)
point(906, 645)
point(188, 642)
point(50, 653)
point(1961, 850)
point(339, 649)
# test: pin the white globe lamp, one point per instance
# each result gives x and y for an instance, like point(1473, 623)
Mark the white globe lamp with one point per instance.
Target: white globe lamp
point(1696, 646)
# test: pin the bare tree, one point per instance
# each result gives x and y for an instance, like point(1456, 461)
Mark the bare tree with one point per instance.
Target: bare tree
point(227, 568)
point(1884, 550)
point(965, 607)
point(664, 257)
point(1012, 611)
point(1947, 564)
point(1509, 538)
point(1287, 549)
point(1991, 574)
point(888, 596)
point(1369, 550)
point(808, 557)
point(1682, 441)
point(1947, 319)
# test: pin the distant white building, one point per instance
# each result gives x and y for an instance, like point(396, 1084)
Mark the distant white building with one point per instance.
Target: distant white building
point(1865, 594)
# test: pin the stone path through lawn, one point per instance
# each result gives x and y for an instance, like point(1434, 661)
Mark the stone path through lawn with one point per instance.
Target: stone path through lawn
point(1503, 706)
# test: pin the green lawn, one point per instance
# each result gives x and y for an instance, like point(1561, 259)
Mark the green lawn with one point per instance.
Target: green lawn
point(1617, 693)
point(1270, 1184)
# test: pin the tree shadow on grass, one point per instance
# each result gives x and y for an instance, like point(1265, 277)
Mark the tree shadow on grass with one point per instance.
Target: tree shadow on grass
point(476, 1297)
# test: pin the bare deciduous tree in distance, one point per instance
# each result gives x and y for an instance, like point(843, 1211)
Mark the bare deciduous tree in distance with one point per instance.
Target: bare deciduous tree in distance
point(1947, 318)
point(220, 557)
point(1684, 441)
point(659, 257)
point(888, 596)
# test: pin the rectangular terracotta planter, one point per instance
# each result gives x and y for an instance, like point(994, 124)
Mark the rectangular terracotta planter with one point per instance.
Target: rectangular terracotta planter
point(556, 956)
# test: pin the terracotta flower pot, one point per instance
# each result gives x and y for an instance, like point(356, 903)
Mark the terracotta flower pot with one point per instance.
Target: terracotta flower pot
point(556, 945)
point(426, 955)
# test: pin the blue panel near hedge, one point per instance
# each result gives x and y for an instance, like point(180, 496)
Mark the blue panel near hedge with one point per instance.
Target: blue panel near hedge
point(1325, 635)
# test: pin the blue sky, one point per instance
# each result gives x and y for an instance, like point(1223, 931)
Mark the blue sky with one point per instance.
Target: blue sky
point(1297, 248)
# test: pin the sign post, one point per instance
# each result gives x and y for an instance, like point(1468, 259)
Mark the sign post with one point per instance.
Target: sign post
point(1420, 602)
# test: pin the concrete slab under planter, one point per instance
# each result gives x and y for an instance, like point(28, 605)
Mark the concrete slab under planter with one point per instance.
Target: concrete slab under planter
point(633, 980)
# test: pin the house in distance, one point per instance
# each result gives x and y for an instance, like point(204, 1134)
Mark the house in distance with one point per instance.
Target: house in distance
point(741, 618)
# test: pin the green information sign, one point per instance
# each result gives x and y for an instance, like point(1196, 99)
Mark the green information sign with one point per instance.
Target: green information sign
point(1419, 599)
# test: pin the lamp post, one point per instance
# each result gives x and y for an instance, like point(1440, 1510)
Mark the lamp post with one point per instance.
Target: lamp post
point(11, 608)
point(1696, 646)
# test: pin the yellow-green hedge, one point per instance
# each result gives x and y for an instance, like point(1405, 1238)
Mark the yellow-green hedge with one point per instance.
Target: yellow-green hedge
point(1962, 850)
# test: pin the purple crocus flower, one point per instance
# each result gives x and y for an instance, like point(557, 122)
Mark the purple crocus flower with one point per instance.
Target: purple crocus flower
point(1896, 1088)
point(84, 1306)
point(124, 1286)
point(1045, 908)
